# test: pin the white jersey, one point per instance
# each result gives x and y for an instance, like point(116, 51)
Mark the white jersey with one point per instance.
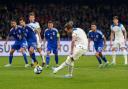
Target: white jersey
point(118, 30)
point(81, 37)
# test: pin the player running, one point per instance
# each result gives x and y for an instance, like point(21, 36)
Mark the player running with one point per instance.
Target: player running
point(35, 26)
point(79, 45)
point(52, 37)
point(99, 43)
point(30, 35)
point(20, 42)
point(119, 32)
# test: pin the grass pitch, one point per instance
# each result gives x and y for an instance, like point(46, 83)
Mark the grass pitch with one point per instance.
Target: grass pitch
point(87, 75)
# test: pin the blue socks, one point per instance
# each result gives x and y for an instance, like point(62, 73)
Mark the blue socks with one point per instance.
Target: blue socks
point(10, 59)
point(33, 57)
point(25, 58)
point(56, 58)
point(47, 59)
point(99, 60)
point(104, 58)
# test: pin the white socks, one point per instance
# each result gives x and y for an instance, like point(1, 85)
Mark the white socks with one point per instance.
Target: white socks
point(125, 57)
point(124, 54)
point(69, 63)
point(114, 57)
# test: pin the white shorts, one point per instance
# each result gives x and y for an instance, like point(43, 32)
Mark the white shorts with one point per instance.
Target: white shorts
point(118, 44)
point(38, 42)
point(78, 51)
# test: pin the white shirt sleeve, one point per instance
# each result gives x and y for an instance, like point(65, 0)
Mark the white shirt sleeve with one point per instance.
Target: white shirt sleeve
point(122, 27)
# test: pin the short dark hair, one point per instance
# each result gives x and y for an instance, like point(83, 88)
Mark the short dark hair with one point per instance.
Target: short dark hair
point(94, 23)
point(68, 25)
point(21, 18)
point(50, 21)
point(13, 20)
point(31, 14)
point(115, 17)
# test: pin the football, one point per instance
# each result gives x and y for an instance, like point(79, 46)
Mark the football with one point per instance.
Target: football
point(38, 69)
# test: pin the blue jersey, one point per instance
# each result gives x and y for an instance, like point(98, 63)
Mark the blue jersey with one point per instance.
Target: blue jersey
point(18, 34)
point(97, 37)
point(29, 34)
point(30, 37)
point(51, 35)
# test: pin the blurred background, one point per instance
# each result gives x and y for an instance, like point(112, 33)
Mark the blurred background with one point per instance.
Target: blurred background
point(81, 12)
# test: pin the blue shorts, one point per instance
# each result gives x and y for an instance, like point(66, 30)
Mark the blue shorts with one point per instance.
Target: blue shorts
point(19, 44)
point(54, 49)
point(32, 44)
point(99, 48)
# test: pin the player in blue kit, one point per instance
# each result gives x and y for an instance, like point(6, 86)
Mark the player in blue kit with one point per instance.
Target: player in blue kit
point(52, 37)
point(36, 26)
point(30, 35)
point(20, 42)
point(99, 43)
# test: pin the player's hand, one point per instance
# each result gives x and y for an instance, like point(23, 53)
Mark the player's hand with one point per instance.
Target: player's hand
point(71, 53)
point(59, 46)
point(105, 46)
point(5, 43)
point(111, 44)
point(43, 46)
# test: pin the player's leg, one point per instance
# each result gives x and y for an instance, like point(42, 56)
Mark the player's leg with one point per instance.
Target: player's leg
point(116, 45)
point(32, 54)
point(123, 49)
point(23, 51)
point(10, 57)
point(48, 56)
point(55, 51)
point(41, 55)
point(70, 61)
point(99, 52)
point(98, 57)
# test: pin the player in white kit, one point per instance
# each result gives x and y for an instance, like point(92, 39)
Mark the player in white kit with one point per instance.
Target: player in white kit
point(119, 32)
point(35, 25)
point(79, 46)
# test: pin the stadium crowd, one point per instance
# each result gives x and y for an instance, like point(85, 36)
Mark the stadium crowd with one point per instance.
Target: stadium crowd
point(81, 15)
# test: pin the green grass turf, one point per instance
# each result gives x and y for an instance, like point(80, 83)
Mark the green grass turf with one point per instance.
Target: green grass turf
point(87, 75)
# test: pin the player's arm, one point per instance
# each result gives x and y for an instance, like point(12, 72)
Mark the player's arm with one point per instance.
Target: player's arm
point(38, 31)
point(7, 39)
point(111, 37)
point(58, 42)
point(124, 33)
point(89, 40)
point(105, 45)
point(73, 42)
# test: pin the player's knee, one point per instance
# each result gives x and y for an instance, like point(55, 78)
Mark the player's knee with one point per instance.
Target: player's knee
point(11, 52)
point(97, 54)
point(113, 49)
point(31, 50)
point(48, 52)
point(21, 50)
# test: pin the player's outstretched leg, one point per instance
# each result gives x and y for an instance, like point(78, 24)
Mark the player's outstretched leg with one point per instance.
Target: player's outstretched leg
point(10, 58)
point(66, 63)
point(99, 60)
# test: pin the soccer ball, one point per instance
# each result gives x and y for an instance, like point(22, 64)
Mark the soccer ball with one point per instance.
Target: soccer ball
point(38, 69)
